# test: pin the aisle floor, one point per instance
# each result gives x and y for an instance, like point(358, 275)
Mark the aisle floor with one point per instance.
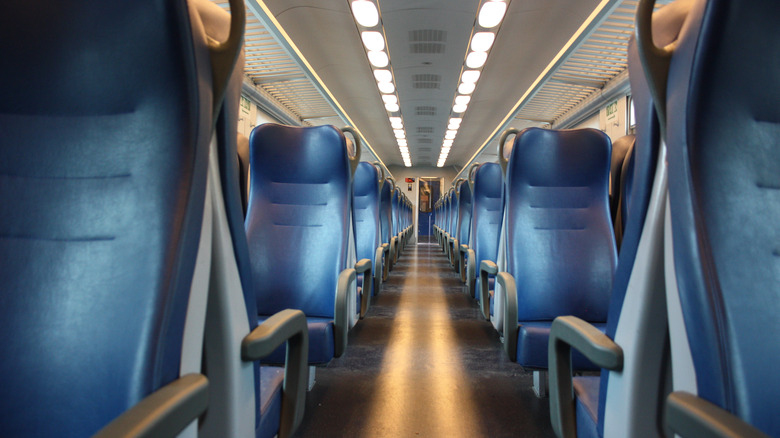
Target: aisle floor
point(424, 363)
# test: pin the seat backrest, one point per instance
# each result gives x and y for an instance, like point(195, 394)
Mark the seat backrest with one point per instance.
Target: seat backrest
point(463, 227)
point(560, 247)
point(395, 205)
point(455, 211)
point(365, 208)
point(488, 210)
point(106, 120)
point(298, 221)
point(724, 162)
point(386, 210)
point(640, 172)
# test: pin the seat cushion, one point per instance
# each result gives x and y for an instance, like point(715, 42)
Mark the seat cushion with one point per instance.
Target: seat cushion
point(271, 380)
point(532, 340)
point(586, 394)
point(321, 342)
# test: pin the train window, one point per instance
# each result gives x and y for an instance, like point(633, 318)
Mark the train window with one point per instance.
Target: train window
point(631, 116)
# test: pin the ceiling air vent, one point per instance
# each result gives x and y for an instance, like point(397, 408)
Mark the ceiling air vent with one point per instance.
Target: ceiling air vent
point(425, 130)
point(427, 41)
point(426, 81)
point(425, 110)
point(424, 140)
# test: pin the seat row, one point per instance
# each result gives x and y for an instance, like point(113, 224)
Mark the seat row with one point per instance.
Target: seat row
point(681, 353)
point(140, 293)
point(667, 319)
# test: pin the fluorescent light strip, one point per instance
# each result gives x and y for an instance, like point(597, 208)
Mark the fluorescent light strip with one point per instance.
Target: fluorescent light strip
point(490, 15)
point(366, 14)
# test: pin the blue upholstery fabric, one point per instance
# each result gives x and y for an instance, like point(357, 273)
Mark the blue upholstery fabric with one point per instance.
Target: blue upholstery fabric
point(560, 246)
point(560, 242)
point(463, 228)
point(724, 163)
point(394, 205)
point(271, 379)
point(101, 201)
point(297, 224)
point(385, 211)
point(454, 210)
point(643, 157)
point(488, 211)
point(365, 211)
point(532, 340)
point(233, 171)
point(320, 342)
point(586, 393)
point(449, 204)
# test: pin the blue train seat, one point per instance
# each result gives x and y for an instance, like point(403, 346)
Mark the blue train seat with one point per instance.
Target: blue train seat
point(488, 211)
point(625, 400)
point(722, 276)
point(453, 221)
point(233, 340)
point(386, 223)
point(365, 207)
point(394, 243)
point(105, 230)
point(460, 244)
point(558, 241)
point(298, 228)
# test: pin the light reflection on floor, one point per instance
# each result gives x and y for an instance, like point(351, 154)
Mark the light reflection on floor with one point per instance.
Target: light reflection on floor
point(421, 378)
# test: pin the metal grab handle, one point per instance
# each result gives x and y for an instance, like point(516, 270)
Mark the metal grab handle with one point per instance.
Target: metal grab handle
point(456, 186)
point(655, 60)
point(225, 54)
point(353, 161)
point(504, 161)
point(381, 169)
point(472, 170)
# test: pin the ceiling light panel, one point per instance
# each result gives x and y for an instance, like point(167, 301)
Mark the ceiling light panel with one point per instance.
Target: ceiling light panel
point(490, 13)
point(480, 42)
point(369, 23)
point(373, 40)
point(365, 12)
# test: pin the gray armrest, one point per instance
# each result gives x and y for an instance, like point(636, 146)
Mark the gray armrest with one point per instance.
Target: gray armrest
point(454, 251)
point(345, 293)
point(378, 269)
point(462, 251)
point(569, 332)
point(486, 268)
point(690, 416)
point(165, 412)
point(286, 326)
point(386, 263)
point(393, 250)
point(507, 281)
point(363, 266)
point(471, 273)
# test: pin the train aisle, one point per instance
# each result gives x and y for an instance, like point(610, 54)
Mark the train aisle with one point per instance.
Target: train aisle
point(424, 363)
